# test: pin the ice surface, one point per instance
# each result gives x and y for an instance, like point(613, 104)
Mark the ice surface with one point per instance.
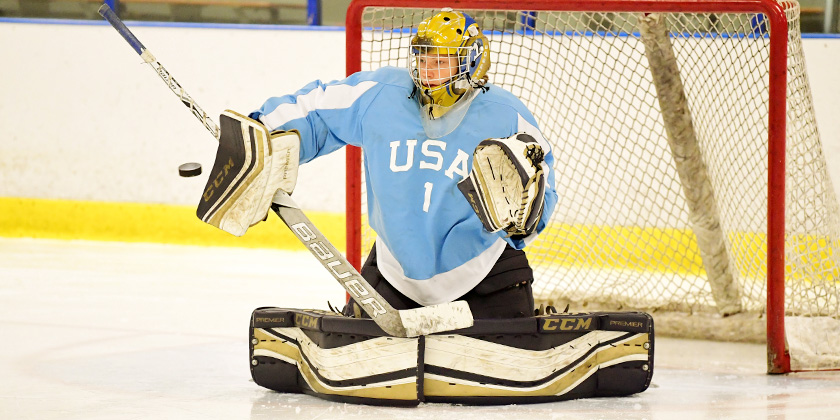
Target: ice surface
point(92, 330)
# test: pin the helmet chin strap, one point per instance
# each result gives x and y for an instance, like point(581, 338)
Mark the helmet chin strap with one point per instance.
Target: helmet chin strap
point(460, 86)
point(425, 97)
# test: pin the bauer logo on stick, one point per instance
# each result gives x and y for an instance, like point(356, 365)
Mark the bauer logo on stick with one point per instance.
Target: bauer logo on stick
point(343, 274)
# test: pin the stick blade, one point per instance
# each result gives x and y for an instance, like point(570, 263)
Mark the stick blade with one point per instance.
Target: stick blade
point(436, 318)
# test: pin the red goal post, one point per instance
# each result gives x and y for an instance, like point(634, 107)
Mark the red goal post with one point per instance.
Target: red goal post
point(767, 15)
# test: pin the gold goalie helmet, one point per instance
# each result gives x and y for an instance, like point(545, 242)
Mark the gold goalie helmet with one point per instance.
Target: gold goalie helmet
point(449, 62)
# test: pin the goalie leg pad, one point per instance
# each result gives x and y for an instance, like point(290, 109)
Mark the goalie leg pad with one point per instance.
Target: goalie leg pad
point(505, 361)
point(251, 165)
point(332, 357)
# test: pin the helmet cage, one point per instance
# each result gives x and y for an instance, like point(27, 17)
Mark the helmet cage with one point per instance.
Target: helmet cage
point(450, 57)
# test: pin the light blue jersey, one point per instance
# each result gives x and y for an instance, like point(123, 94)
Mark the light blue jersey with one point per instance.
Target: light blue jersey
point(431, 246)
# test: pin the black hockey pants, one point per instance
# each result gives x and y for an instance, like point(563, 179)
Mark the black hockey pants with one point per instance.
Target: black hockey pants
point(504, 293)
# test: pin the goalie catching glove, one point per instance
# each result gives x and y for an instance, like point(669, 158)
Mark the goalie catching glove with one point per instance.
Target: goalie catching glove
point(506, 186)
point(251, 165)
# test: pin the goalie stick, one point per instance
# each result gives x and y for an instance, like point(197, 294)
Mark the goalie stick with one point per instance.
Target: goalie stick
point(398, 323)
point(405, 323)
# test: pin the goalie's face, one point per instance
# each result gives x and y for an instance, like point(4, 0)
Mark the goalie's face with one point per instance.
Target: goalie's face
point(434, 70)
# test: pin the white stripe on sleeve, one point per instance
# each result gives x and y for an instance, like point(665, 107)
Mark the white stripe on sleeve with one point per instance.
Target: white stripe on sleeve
point(331, 97)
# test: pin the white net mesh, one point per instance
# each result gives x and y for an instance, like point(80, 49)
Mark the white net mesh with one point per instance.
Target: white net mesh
point(620, 236)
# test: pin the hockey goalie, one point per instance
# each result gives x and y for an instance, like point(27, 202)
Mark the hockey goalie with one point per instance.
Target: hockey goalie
point(459, 181)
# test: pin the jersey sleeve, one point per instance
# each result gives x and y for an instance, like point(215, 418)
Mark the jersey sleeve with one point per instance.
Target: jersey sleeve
point(527, 124)
point(327, 115)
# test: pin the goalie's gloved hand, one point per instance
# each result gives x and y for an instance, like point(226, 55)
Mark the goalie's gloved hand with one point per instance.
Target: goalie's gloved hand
point(251, 165)
point(506, 186)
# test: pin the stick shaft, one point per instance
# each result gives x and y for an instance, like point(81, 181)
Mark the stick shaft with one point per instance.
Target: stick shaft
point(337, 265)
point(170, 81)
point(118, 24)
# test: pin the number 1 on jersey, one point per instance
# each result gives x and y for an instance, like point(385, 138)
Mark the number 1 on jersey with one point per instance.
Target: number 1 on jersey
point(428, 186)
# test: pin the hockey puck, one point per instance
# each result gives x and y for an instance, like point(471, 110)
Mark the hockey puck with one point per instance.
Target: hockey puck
point(189, 169)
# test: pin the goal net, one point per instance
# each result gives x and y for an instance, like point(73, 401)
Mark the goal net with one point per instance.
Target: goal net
point(691, 179)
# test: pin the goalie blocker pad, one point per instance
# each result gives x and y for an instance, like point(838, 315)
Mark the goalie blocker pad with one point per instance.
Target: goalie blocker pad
point(497, 361)
point(251, 165)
